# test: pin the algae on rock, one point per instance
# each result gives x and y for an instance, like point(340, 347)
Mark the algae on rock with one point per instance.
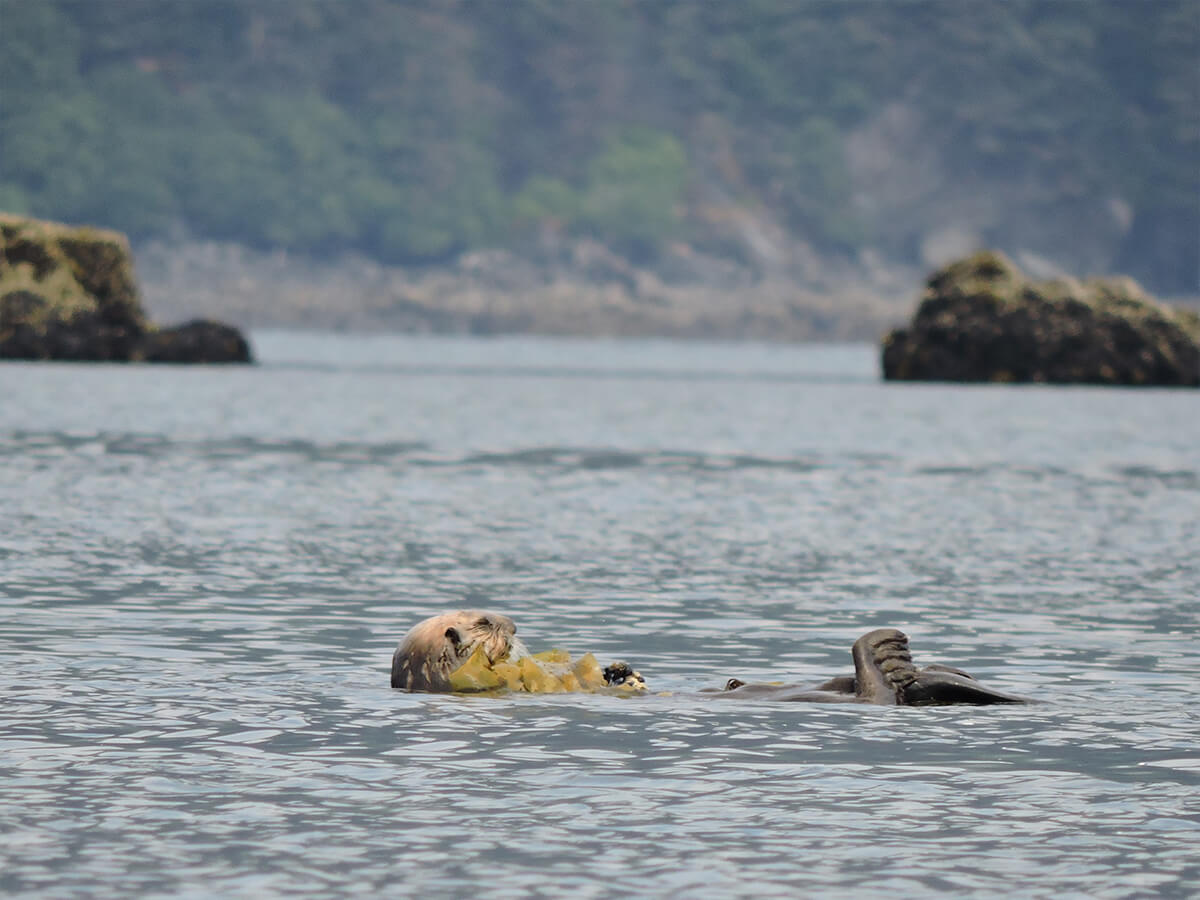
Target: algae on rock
point(981, 319)
point(69, 293)
point(66, 293)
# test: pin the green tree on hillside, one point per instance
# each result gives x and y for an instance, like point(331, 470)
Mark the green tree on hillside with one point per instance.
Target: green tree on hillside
point(415, 129)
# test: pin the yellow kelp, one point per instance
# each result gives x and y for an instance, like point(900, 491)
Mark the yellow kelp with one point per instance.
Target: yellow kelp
point(550, 672)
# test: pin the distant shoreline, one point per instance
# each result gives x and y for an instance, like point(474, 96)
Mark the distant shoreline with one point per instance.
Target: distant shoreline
point(592, 293)
point(586, 291)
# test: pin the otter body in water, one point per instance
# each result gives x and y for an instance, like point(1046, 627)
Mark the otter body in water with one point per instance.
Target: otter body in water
point(884, 674)
point(434, 650)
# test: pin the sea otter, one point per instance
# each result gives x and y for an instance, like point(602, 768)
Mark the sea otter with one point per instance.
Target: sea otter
point(435, 648)
point(884, 674)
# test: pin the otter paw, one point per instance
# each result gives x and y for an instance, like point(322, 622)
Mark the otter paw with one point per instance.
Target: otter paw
point(622, 675)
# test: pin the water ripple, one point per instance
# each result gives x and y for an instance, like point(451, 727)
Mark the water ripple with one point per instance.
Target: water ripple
point(202, 576)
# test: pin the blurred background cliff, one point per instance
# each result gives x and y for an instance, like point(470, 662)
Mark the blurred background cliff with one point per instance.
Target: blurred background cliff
point(764, 169)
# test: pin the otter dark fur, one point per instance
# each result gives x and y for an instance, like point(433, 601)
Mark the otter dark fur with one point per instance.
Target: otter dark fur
point(884, 675)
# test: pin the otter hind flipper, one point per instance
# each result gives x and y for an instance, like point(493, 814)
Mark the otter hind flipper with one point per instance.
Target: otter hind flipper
point(937, 685)
point(883, 666)
point(939, 667)
point(886, 675)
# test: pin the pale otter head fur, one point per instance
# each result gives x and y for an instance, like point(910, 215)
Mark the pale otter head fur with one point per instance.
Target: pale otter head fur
point(436, 647)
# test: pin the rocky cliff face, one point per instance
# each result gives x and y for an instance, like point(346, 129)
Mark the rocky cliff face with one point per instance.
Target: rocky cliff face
point(981, 320)
point(69, 293)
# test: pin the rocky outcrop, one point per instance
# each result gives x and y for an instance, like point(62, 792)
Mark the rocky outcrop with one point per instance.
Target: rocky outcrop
point(198, 341)
point(69, 293)
point(981, 320)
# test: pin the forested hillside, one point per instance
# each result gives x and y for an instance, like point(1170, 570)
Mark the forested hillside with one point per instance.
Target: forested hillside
point(411, 130)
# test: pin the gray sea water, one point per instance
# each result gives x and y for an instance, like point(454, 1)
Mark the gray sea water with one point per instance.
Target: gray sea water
point(203, 573)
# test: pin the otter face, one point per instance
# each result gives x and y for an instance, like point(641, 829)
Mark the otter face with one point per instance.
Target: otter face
point(436, 647)
point(491, 630)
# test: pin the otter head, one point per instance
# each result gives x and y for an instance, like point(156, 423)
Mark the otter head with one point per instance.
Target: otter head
point(436, 647)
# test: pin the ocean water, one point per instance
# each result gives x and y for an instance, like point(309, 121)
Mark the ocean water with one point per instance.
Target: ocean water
point(203, 573)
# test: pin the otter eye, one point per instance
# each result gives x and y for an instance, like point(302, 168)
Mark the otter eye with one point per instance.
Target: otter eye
point(733, 684)
point(485, 622)
point(453, 637)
